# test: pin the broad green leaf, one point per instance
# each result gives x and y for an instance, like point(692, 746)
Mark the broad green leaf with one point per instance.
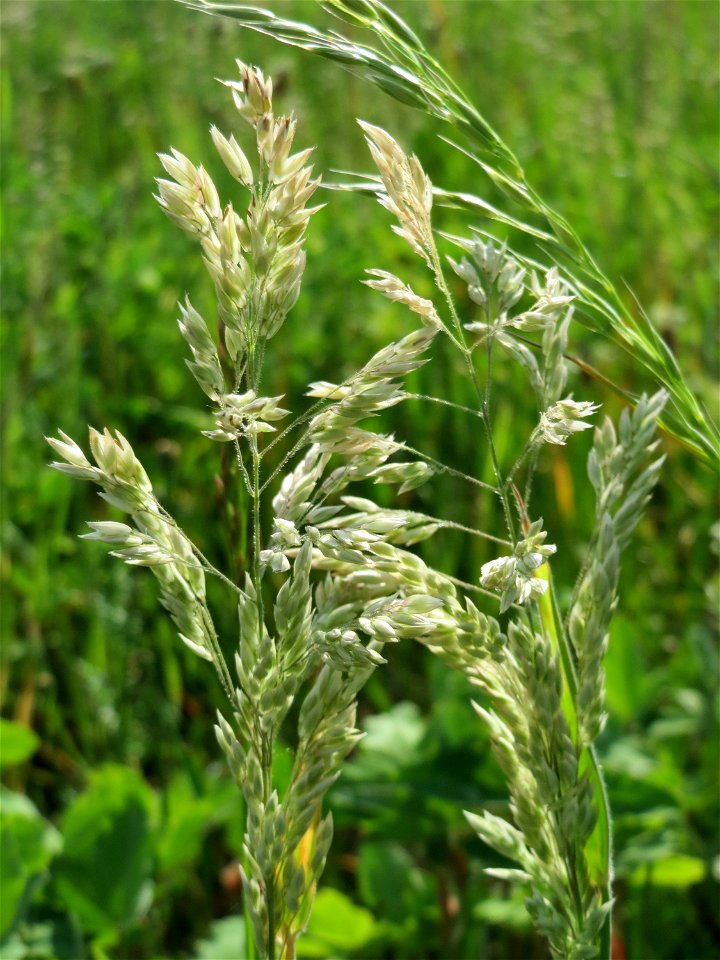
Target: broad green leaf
point(630, 757)
point(189, 814)
point(504, 913)
point(679, 871)
point(389, 881)
point(336, 926)
point(51, 940)
point(393, 739)
point(17, 743)
point(105, 871)
point(227, 940)
point(28, 844)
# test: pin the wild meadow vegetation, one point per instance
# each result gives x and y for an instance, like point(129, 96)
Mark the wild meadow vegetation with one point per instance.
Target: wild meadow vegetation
point(451, 531)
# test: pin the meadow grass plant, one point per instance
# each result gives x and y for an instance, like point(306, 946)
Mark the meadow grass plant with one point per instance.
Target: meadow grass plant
point(331, 582)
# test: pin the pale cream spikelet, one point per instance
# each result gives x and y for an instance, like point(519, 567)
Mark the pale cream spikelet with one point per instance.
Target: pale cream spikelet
point(514, 576)
point(493, 274)
point(252, 93)
point(154, 541)
point(399, 526)
point(372, 389)
point(293, 499)
point(565, 418)
point(256, 262)
point(183, 200)
point(245, 415)
point(394, 289)
point(205, 365)
point(408, 190)
point(490, 269)
point(192, 201)
point(551, 299)
point(285, 537)
point(233, 157)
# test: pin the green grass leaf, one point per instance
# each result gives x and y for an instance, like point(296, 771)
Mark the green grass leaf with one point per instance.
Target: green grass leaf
point(677, 871)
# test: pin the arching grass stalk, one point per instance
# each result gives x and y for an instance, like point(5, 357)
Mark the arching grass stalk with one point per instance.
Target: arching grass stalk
point(395, 59)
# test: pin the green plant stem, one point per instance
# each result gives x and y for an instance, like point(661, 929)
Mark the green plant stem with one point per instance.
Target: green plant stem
point(531, 474)
point(255, 357)
point(243, 468)
point(530, 447)
point(485, 401)
point(472, 586)
point(451, 525)
point(206, 568)
point(483, 396)
point(270, 898)
point(257, 535)
point(443, 468)
point(217, 655)
point(444, 403)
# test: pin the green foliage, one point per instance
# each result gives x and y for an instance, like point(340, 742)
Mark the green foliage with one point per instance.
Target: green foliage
point(17, 743)
point(29, 844)
point(612, 108)
point(188, 816)
point(104, 873)
point(337, 927)
point(227, 940)
point(395, 888)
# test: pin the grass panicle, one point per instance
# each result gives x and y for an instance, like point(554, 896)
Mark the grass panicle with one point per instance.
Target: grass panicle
point(331, 585)
point(314, 643)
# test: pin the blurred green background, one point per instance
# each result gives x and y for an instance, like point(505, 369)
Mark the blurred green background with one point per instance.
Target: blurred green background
point(119, 823)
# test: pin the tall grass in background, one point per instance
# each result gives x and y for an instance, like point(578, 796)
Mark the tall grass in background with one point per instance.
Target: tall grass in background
point(90, 270)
